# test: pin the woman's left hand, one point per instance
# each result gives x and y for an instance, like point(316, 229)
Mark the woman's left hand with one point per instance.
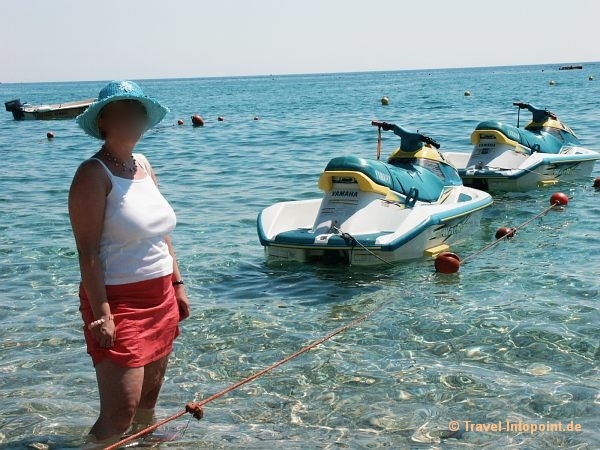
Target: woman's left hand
point(183, 302)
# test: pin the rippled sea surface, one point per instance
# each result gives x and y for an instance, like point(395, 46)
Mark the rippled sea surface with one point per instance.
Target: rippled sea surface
point(514, 336)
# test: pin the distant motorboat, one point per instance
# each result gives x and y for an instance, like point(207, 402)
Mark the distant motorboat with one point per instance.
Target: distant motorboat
point(570, 67)
point(68, 110)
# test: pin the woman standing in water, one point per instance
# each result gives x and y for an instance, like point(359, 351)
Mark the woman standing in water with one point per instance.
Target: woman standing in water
point(132, 296)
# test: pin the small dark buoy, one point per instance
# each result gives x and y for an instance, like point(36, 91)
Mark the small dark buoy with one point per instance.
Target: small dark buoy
point(467, 93)
point(180, 122)
point(552, 83)
point(256, 118)
point(559, 198)
point(505, 231)
point(220, 118)
point(591, 78)
point(447, 262)
point(385, 101)
point(50, 135)
point(197, 121)
point(597, 183)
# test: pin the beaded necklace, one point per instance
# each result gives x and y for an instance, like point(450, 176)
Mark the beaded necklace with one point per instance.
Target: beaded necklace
point(130, 166)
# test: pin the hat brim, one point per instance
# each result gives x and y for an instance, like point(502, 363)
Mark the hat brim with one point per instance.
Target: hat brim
point(88, 120)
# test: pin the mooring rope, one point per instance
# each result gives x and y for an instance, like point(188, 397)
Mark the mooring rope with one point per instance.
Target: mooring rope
point(348, 236)
point(195, 408)
point(512, 232)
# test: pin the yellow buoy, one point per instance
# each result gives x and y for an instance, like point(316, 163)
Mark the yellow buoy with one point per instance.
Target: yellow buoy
point(385, 100)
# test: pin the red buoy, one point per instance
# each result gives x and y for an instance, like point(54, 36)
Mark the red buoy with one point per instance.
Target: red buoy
point(447, 262)
point(197, 120)
point(50, 135)
point(558, 198)
point(597, 183)
point(220, 118)
point(180, 122)
point(505, 231)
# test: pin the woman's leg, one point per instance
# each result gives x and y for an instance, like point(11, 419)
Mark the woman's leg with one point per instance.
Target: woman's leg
point(154, 374)
point(120, 391)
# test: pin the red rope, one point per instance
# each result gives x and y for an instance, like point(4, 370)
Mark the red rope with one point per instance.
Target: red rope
point(509, 235)
point(196, 408)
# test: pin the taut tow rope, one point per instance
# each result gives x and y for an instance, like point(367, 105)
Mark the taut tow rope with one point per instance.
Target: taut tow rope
point(447, 262)
point(510, 234)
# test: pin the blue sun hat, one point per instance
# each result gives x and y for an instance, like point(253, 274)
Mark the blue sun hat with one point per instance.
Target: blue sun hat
point(112, 92)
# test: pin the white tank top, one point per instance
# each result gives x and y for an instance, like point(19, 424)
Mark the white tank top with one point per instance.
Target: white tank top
point(137, 219)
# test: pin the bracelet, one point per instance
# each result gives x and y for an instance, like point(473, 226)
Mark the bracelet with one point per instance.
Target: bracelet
point(100, 321)
point(178, 283)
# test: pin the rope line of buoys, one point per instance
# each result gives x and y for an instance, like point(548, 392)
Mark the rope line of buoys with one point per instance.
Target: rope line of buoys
point(195, 408)
point(448, 262)
point(198, 121)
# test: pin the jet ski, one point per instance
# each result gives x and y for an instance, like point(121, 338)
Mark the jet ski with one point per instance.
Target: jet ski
point(372, 212)
point(506, 158)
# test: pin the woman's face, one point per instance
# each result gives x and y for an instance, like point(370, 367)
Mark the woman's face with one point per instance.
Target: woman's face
point(123, 120)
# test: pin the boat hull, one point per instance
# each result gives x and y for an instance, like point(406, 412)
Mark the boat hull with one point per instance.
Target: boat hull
point(368, 229)
point(521, 172)
point(54, 114)
point(57, 111)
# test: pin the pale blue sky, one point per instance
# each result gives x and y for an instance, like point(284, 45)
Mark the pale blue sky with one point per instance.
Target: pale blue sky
point(73, 40)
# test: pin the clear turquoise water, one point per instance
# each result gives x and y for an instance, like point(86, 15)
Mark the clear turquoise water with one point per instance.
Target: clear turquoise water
point(513, 336)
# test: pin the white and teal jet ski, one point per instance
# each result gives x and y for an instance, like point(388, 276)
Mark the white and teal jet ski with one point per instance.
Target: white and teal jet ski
point(374, 212)
point(506, 158)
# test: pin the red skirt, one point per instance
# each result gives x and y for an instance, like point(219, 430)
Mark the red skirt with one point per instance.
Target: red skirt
point(146, 318)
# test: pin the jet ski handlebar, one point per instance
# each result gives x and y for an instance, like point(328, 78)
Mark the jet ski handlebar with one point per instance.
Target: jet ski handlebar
point(521, 105)
point(539, 115)
point(411, 141)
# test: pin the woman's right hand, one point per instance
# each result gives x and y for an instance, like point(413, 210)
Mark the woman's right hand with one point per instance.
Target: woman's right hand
point(105, 334)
